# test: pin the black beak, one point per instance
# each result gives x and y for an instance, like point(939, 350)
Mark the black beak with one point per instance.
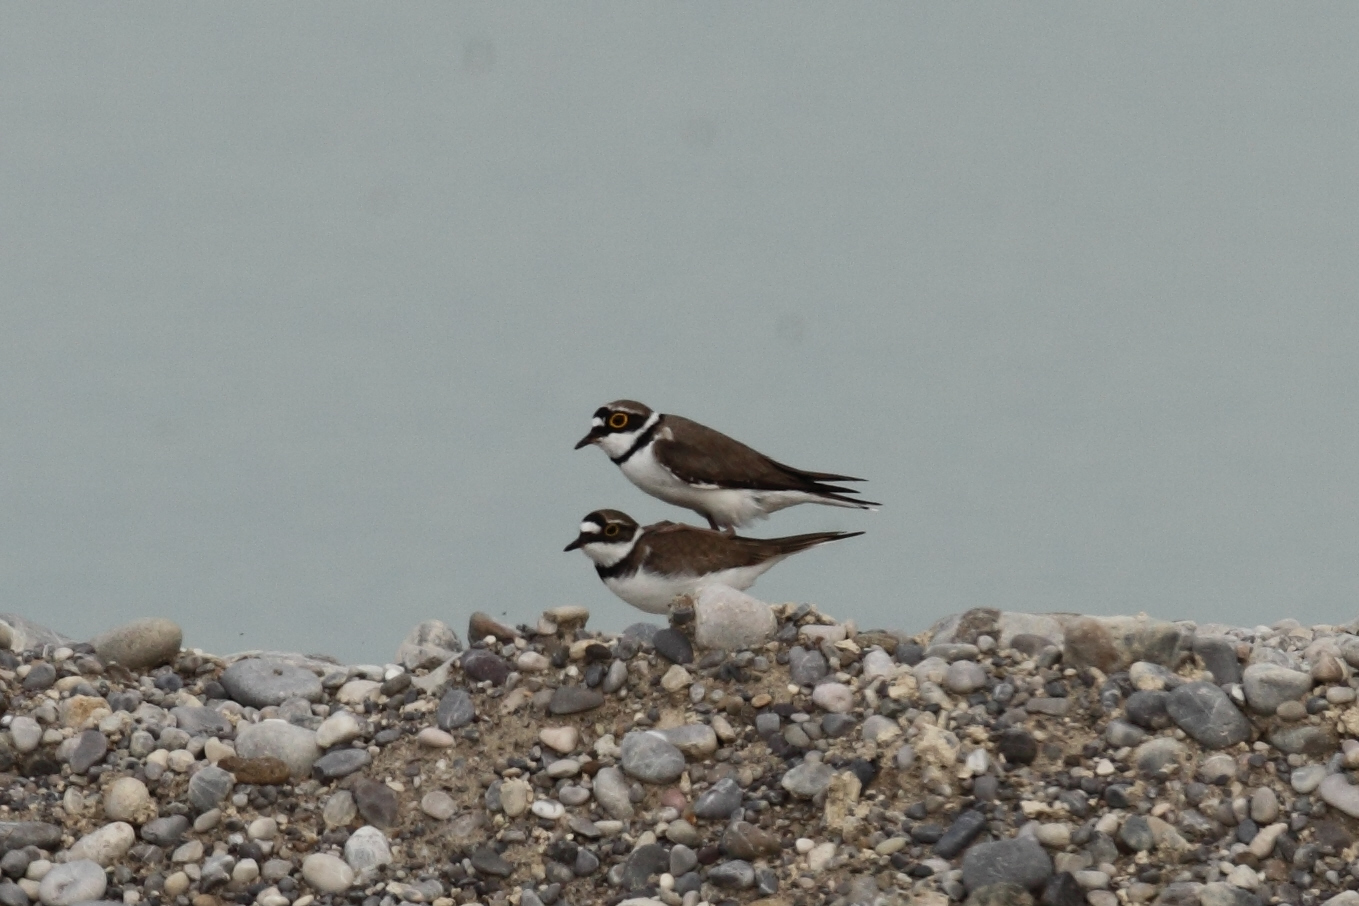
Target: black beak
point(588, 439)
point(580, 541)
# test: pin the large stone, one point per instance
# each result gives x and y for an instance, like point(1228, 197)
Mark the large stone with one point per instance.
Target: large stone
point(18, 834)
point(1115, 643)
point(1019, 860)
point(731, 620)
point(1338, 793)
point(1159, 757)
point(1268, 685)
point(611, 791)
point(720, 801)
point(1219, 658)
point(376, 802)
point(90, 748)
point(141, 644)
point(482, 666)
point(77, 881)
point(295, 746)
point(642, 863)
point(1205, 712)
point(806, 666)
point(327, 873)
point(428, 645)
point(651, 758)
point(26, 635)
point(105, 845)
point(1220, 893)
point(574, 699)
point(260, 682)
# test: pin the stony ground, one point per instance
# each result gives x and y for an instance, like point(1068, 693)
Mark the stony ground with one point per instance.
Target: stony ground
point(742, 754)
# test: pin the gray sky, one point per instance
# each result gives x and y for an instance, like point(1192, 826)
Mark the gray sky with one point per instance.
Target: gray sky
point(303, 306)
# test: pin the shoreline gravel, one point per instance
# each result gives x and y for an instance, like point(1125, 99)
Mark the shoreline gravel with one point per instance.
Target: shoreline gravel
point(741, 754)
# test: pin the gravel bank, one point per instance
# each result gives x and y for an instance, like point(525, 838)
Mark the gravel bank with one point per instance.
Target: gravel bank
point(999, 758)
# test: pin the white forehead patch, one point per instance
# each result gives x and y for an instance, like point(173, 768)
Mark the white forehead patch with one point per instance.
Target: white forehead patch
point(597, 422)
point(589, 527)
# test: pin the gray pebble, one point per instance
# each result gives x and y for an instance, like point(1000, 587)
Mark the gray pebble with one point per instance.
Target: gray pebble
point(259, 682)
point(650, 758)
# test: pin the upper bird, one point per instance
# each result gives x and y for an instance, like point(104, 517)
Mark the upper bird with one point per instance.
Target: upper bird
point(693, 466)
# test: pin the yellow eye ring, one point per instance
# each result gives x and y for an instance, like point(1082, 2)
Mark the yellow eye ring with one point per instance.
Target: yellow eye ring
point(618, 420)
point(610, 530)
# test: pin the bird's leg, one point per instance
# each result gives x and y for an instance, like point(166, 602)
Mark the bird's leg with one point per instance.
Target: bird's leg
point(728, 530)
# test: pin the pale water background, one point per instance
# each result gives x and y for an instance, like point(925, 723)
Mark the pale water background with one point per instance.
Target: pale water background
point(302, 306)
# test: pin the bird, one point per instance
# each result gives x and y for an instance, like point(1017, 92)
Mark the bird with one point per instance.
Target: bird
point(650, 566)
point(693, 466)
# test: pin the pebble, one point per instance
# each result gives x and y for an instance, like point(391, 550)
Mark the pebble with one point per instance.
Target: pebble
point(1338, 793)
point(90, 748)
point(964, 677)
point(482, 666)
point(834, 697)
point(438, 805)
point(340, 763)
point(1307, 778)
point(807, 779)
point(339, 728)
point(480, 625)
point(327, 873)
point(696, 741)
point(560, 739)
point(366, 849)
point(375, 801)
point(434, 738)
point(720, 801)
point(574, 700)
point(651, 758)
point(456, 710)
point(127, 799)
point(674, 646)
point(611, 790)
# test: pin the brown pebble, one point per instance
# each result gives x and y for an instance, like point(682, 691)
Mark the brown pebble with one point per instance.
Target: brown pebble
point(762, 700)
point(265, 770)
point(675, 799)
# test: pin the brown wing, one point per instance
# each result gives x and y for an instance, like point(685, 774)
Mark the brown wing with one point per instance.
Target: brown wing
point(673, 549)
point(697, 454)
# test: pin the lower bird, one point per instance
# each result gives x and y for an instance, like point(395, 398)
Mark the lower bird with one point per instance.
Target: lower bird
point(650, 566)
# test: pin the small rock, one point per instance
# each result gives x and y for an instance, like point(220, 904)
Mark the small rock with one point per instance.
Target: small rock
point(650, 758)
point(375, 801)
point(642, 863)
point(482, 666)
point(720, 801)
point(428, 645)
point(127, 799)
point(730, 620)
point(611, 790)
point(1337, 792)
point(1268, 685)
point(295, 746)
point(438, 805)
point(807, 779)
point(366, 849)
point(834, 697)
point(736, 873)
point(209, 787)
point(480, 625)
point(339, 728)
point(806, 667)
point(574, 700)
point(964, 677)
point(696, 741)
point(489, 862)
point(560, 739)
point(455, 710)
point(674, 646)
point(340, 763)
point(327, 873)
point(266, 770)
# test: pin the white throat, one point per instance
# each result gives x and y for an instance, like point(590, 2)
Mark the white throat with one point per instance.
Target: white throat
point(607, 553)
point(615, 445)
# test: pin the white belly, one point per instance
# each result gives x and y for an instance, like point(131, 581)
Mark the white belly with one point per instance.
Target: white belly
point(725, 506)
point(653, 593)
